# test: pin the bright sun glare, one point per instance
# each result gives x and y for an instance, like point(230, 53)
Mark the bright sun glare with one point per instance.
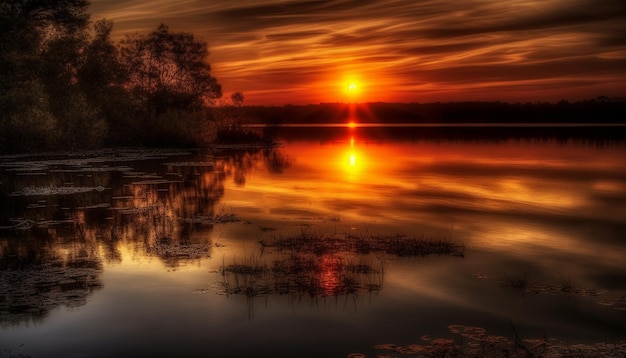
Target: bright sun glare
point(352, 88)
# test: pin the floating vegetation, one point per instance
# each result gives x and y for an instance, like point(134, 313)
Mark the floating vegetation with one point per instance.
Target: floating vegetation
point(397, 245)
point(564, 289)
point(149, 178)
point(31, 293)
point(190, 164)
point(54, 190)
point(616, 303)
point(135, 210)
point(106, 168)
point(26, 224)
point(171, 250)
point(48, 223)
point(320, 265)
point(303, 274)
point(210, 220)
point(88, 158)
point(23, 224)
point(96, 206)
point(476, 342)
point(155, 181)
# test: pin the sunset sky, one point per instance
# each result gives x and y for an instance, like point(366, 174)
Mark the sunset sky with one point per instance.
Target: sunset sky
point(280, 52)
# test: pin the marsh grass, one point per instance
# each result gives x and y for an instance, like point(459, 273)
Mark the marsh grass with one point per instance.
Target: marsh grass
point(303, 274)
point(212, 219)
point(321, 264)
point(397, 245)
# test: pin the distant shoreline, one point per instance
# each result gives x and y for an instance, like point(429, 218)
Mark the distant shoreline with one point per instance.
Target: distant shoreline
point(443, 125)
point(566, 114)
point(587, 132)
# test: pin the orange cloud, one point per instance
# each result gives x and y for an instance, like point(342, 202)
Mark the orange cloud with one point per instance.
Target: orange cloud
point(279, 52)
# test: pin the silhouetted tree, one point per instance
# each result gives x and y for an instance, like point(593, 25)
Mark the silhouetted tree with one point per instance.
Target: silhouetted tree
point(169, 71)
point(237, 99)
point(30, 27)
point(34, 35)
point(101, 68)
point(102, 78)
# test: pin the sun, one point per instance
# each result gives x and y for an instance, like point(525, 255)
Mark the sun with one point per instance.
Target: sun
point(352, 89)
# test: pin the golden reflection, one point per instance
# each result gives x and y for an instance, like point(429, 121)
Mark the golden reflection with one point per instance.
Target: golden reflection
point(352, 152)
point(354, 161)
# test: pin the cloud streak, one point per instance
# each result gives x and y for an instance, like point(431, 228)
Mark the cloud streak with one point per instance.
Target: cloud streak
point(279, 52)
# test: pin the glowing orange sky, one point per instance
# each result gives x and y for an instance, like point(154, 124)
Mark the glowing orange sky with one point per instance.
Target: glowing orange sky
point(279, 52)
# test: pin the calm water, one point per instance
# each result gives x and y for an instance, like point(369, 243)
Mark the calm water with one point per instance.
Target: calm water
point(304, 250)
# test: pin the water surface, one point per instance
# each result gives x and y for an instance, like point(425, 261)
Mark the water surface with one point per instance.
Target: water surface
point(236, 253)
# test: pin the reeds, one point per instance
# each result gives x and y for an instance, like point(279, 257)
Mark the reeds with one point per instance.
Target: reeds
point(321, 265)
point(397, 245)
point(303, 274)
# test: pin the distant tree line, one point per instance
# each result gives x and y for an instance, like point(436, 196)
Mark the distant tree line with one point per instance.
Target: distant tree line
point(598, 110)
point(65, 84)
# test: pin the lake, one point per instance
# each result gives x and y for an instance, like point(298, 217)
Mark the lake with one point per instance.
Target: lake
point(340, 242)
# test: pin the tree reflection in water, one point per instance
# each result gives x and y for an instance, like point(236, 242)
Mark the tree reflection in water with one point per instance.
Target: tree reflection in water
point(42, 270)
point(53, 243)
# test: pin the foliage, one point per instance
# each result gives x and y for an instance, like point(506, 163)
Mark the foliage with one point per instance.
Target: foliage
point(182, 128)
point(65, 83)
point(237, 99)
point(168, 71)
point(64, 15)
point(31, 128)
point(40, 42)
point(230, 122)
point(81, 124)
point(101, 68)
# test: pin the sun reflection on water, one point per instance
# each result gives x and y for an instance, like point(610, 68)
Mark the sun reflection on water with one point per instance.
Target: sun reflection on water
point(329, 276)
point(353, 161)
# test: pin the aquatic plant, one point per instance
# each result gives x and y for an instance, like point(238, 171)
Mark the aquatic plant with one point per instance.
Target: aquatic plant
point(564, 289)
point(397, 245)
point(323, 264)
point(55, 190)
point(470, 342)
point(29, 294)
point(303, 273)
